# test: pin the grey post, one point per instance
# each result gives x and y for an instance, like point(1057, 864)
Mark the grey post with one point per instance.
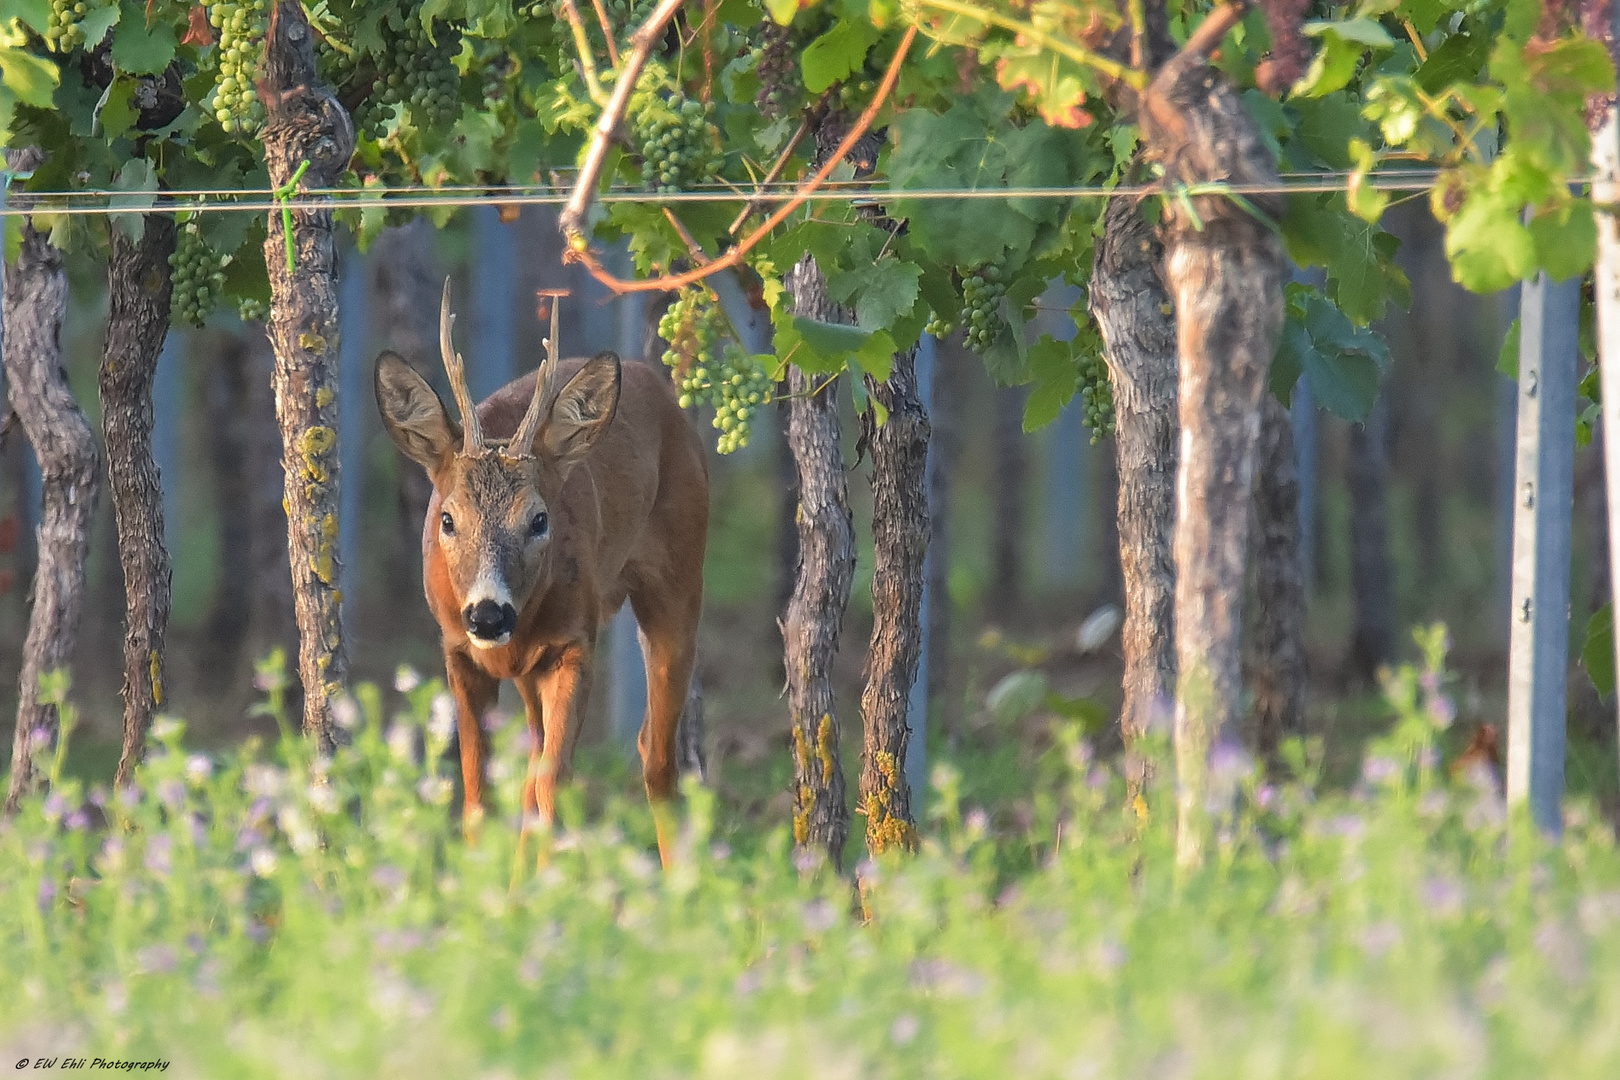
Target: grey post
point(1606, 192)
point(916, 764)
point(493, 324)
point(354, 408)
point(1538, 645)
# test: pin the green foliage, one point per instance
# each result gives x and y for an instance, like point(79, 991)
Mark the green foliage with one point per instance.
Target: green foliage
point(1344, 362)
point(264, 913)
point(711, 369)
point(1597, 652)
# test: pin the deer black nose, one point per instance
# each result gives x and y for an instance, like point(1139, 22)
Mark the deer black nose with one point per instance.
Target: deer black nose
point(489, 620)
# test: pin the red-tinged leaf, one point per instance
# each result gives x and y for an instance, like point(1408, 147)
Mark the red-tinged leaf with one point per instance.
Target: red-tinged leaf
point(1051, 81)
point(198, 32)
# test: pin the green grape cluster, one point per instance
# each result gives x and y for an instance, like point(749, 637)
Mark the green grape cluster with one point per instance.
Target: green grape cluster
point(497, 76)
point(732, 381)
point(199, 277)
point(776, 64)
point(64, 31)
point(1096, 395)
point(408, 72)
point(241, 25)
point(678, 142)
point(982, 290)
point(940, 327)
point(251, 310)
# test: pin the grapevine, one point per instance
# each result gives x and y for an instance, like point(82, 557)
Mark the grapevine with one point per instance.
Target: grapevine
point(241, 25)
point(64, 30)
point(679, 145)
point(408, 73)
point(251, 310)
point(777, 68)
point(1096, 390)
point(982, 290)
point(733, 382)
point(199, 277)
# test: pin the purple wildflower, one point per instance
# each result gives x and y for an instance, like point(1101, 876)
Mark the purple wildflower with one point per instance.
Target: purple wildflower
point(160, 855)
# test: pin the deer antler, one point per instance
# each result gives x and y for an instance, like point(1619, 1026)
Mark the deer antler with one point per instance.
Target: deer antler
point(473, 432)
point(523, 439)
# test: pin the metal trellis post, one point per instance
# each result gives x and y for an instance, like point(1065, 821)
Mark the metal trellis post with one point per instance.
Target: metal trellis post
point(1606, 192)
point(494, 303)
point(354, 321)
point(1538, 646)
point(916, 765)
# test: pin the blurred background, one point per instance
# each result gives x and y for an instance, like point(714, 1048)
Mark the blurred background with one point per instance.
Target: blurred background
point(1407, 520)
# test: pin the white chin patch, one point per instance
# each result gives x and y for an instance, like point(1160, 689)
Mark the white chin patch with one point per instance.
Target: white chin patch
point(488, 643)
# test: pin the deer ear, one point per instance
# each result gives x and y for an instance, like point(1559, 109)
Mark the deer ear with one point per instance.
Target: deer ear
point(413, 414)
point(583, 411)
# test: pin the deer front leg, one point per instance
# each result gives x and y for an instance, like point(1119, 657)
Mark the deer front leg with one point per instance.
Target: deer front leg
point(475, 692)
point(669, 649)
point(555, 699)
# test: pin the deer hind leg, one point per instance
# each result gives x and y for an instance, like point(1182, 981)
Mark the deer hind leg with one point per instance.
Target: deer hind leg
point(475, 693)
point(555, 700)
point(669, 648)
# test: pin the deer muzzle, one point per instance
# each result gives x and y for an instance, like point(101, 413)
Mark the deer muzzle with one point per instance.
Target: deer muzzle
point(489, 623)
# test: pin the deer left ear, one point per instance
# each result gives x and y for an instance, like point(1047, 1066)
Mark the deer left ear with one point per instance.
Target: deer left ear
point(583, 411)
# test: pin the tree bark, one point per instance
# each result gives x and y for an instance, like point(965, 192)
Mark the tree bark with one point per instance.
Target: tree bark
point(900, 540)
point(811, 624)
point(1225, 270)
point(1011, 476)
point(1133, 311)
point(1373, 640)
point(305, 123)
point(35, 291)
point(944, 446)
point(1274, 630)
point(138, 292)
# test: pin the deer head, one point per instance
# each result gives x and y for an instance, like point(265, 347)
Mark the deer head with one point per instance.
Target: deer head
point(495, 495)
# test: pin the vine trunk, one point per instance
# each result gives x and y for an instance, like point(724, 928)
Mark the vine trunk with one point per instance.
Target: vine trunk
point(138, 293)
point(35, 302)
point(815, 612)
point(899, 450)
point(307, 132)
point(1134, 313)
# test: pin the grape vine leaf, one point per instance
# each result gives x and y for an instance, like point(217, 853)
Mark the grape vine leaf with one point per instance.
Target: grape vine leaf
point(1056, 375)
point(882, 291)
point(1597, 654)
point(837, 54)
point(141, 49)
point(1344, 362)
point(1359, 257)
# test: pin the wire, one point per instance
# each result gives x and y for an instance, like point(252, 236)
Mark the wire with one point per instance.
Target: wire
point(199, 200)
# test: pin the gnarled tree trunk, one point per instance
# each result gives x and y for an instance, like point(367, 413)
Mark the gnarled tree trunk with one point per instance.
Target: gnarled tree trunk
point(1274, 619)
point(35, 302)
point(815, 614)
point(306, 124)
point(138, 290)
point(900, 539)
point(1225, 271)
point(1138, 326)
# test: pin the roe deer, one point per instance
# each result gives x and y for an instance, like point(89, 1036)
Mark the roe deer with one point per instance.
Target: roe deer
point(564, 493)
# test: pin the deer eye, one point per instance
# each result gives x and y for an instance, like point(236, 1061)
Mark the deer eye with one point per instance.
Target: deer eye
point(447, 523)
point(539, 525)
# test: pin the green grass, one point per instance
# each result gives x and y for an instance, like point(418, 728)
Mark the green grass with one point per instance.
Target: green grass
point(258, 913)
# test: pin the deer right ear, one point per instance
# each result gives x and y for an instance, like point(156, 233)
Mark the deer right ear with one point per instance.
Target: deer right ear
point(416, 419)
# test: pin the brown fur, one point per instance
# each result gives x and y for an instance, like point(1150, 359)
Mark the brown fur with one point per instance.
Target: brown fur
point(628, 508)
